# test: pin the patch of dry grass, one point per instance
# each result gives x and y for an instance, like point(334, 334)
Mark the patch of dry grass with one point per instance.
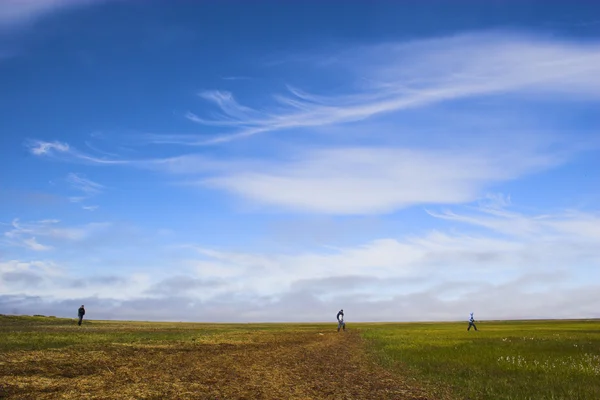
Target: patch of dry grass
point(194, 361)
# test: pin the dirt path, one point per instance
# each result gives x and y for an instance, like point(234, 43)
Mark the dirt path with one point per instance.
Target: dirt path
point(267, 365)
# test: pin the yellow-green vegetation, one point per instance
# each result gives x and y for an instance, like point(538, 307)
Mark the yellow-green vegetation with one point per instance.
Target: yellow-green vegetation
point(48, 358)
point(503, 360)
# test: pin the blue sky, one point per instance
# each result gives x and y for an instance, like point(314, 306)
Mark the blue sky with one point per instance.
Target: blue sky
point(278, 161)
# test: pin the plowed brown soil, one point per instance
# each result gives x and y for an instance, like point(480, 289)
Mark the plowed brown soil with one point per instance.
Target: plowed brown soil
point(264, 365)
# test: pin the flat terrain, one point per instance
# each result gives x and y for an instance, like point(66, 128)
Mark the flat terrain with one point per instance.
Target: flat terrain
point(50, 358)
point(43, 358)
point(504, 360)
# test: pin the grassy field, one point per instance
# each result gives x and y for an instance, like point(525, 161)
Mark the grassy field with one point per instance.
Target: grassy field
point(49, 358)
point(503, 360)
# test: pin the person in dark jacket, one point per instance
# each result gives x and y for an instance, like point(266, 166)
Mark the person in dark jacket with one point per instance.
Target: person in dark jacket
point(80, 313)
point(340, 318)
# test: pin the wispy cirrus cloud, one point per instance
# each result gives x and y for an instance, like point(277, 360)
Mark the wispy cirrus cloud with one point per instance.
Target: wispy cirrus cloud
point(179, 164)
point(392, 77)
point(63, 151)
point(385, 79)
point(25, 235)
point(52, 232)
point(398, 76)
point(86, 186)
point(235, 78)
point(567, 226)
point(17, 13)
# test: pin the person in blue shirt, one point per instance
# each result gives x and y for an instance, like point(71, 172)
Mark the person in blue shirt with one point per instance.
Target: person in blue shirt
point(471, 322)
point(340, 319)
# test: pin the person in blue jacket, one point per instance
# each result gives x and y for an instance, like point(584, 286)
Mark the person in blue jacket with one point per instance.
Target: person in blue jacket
point(471, 322)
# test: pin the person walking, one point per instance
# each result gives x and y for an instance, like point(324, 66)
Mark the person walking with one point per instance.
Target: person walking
point(340, 319)
point(80, 313)
point(471, 323)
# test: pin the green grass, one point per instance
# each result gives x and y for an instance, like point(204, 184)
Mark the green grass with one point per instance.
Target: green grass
point(39, 333)
point(503, 360)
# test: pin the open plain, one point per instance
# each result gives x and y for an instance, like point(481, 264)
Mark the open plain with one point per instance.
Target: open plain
point(53, 358)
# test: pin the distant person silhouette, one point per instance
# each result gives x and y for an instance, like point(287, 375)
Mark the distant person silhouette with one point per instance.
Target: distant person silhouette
point(340, 319)
point(80, 313)
point(471, 323)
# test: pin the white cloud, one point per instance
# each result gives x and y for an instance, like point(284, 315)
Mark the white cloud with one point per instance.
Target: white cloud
point(436, 254)
point(503, 301)
point(235, 78)
point(361, 180)
point(437, 275)
point(87, 186)
point(26, 234)
point(567, 226)
point(45, 148)
point(51, 280)
point(48, 268)
point(65, 152)
point(435, 258)
point(32, 244)
point(15, 13)
point(355, 179)
point(379, 180)
point(417, 74)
